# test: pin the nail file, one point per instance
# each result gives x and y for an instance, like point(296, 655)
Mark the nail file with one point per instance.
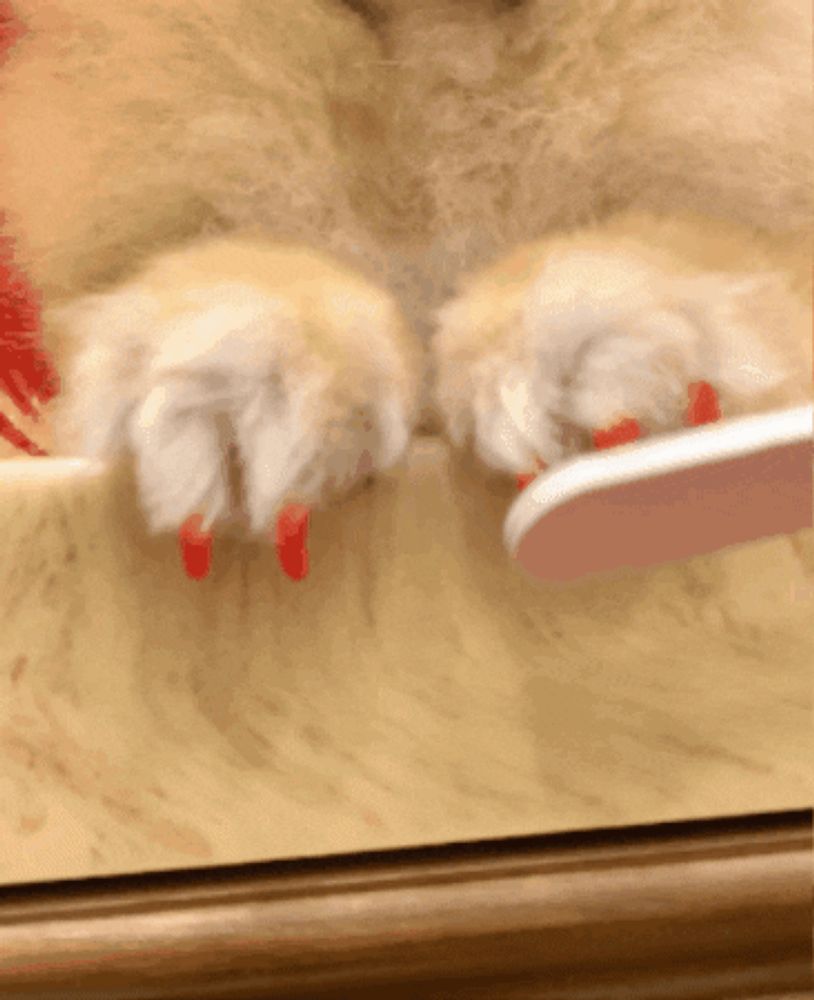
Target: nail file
point(666, 498)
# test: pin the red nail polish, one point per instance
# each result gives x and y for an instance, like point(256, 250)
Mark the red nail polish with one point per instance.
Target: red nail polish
point(196, 547)
point(525, 478)
point(704, 406)
point(292, 540)
point(624, 432)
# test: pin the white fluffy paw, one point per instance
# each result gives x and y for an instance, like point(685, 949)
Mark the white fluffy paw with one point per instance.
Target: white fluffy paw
point(275, 355)
point(556, 342)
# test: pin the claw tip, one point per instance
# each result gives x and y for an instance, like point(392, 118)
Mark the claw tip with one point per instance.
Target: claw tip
point(196, 547)
point(623, 432)
point(704, 406)
point(291, 540)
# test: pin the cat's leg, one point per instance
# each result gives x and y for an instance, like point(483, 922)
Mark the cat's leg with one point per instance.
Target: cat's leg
point(139, 140)
point(574, 334)
point(699, 108)
point(280, 356)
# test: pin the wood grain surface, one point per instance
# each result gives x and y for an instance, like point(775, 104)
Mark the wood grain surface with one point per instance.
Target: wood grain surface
point(416, 689)
point(703, 911)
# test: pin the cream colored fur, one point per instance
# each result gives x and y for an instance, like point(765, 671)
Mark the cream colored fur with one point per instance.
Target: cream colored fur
point(651, 159)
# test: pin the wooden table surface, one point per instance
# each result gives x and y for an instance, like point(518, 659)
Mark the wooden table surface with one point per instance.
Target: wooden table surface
point(416, 689)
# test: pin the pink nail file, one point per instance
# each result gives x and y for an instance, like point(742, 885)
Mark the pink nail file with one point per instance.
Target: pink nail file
point(667, 498)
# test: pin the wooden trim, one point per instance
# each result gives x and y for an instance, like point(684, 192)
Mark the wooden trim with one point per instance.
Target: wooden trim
point(696, 911)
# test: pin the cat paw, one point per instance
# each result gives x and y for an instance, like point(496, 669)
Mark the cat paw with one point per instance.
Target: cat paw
point(543, 352)
point(272, 359)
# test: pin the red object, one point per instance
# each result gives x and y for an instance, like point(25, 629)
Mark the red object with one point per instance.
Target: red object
point(292, 540)
point(525, 478)
point(27, 373)
point(624, 432)
point(704, 407)
point(196, 548)
point(16, 437)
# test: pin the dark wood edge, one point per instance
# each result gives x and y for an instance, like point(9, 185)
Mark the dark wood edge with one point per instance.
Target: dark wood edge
point(698, 911)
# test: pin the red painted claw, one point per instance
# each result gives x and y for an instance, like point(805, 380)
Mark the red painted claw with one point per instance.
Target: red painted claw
point(624, 432)
point(292, 540)
point(525, 478)
point(704, 406)
point(196, 547)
